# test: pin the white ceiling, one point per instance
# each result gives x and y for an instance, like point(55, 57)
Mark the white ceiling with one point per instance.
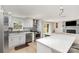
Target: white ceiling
point(45, 12)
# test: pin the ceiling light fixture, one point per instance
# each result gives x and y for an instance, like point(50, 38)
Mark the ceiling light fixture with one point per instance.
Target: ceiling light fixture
point(61, 13)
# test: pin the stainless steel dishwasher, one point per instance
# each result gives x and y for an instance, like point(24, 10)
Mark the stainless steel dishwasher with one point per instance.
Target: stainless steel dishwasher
point(28, 37)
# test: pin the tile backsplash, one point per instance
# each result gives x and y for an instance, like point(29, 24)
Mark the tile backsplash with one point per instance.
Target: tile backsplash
point(27, 28)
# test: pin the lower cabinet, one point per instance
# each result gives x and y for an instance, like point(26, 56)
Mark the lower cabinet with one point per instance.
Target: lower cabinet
point(16, 39)
point(22, 39)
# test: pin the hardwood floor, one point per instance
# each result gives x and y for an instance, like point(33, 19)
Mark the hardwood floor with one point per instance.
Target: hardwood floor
point(30, 49)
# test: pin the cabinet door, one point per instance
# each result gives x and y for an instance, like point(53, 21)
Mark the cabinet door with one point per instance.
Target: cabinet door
point(11, 42)
point(22, 39)
point(17, 39)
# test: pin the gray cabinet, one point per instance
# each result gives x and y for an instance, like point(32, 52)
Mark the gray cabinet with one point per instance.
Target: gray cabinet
point(21, 38)
point(11, 40)
point(16, 39)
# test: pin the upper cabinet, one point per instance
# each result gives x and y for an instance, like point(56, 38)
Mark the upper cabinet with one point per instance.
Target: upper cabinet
point(28, 23)
point(16, 23)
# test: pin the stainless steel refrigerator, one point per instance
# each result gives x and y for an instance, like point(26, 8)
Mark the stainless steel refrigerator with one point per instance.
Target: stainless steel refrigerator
point(4, 34)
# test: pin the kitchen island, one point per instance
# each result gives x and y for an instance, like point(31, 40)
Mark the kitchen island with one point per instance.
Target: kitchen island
point(55, 43)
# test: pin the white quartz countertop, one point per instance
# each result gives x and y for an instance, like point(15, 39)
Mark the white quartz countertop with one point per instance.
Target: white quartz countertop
point(58, 42)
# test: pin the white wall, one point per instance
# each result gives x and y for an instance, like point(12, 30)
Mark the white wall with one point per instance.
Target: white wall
point(52, 26)
point(60, 27)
